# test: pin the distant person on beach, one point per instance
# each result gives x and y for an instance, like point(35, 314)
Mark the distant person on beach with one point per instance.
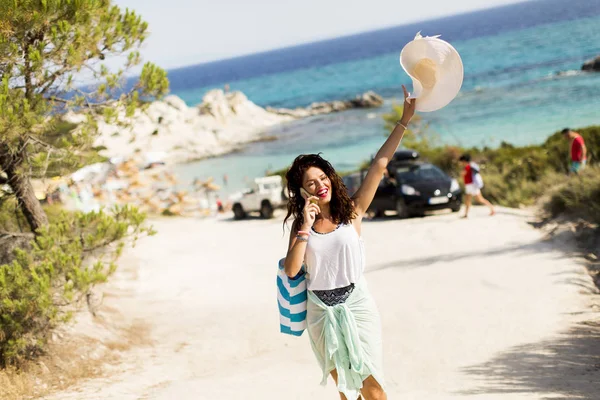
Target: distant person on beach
point(342, 319)
point(196, 183)
point(473, 183)
point(578, 151)
point(226, 88)
point(225, 179)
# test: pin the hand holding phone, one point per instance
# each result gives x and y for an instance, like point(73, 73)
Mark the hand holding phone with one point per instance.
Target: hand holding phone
point(307, 195)
point(311, 208)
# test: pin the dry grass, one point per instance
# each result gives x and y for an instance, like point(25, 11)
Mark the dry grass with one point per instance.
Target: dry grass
point(69, 361)
point(578, 196)
point(63, 366)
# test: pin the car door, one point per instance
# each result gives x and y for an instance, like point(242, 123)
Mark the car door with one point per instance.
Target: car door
point(385, 196)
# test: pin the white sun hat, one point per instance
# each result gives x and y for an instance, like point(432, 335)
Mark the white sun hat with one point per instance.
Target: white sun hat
point(436, 71)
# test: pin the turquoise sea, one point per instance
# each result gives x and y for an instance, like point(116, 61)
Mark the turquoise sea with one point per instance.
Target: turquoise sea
point(522, 83)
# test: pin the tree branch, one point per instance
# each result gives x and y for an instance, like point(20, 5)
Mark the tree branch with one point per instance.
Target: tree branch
point(52, 78)
point(94, 105)
point(58, 100)
point(16, 234)
point(42, 143)
point(28, 82)
point(30, 40)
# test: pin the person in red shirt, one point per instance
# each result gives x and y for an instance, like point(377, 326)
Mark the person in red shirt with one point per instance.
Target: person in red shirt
point(578, 150)
point(473, 184)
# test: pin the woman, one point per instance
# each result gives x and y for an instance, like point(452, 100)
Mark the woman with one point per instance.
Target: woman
point(342, 319)
point(472, 186)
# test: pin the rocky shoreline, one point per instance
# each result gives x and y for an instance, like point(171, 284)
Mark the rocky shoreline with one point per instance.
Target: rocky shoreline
point(174, 132)
point(369, 99)
point(139, 171)
point(592, 65)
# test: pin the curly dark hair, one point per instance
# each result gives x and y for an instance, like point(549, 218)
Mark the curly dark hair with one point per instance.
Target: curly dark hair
point(341, 206)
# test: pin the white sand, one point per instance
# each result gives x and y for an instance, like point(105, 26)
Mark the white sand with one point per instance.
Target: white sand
point(478, 309)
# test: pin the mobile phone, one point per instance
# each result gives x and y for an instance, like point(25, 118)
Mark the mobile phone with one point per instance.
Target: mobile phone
point(306, 195)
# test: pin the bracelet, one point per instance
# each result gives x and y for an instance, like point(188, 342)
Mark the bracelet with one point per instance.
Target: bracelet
point(301, 239)
point(399, 122)
point(303, 233)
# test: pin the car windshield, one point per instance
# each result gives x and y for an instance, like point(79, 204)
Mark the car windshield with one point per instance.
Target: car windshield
point(420, 173)
point(270, 185)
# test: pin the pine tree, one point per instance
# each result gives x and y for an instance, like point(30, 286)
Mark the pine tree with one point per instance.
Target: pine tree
point(48, 50)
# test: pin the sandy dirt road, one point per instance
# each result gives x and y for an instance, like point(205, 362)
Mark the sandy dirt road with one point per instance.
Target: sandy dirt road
point(483, 308)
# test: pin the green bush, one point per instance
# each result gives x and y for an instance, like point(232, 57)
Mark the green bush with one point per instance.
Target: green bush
point(13, 220)
point(513, 176)
point(579, 196)
point(44, 284)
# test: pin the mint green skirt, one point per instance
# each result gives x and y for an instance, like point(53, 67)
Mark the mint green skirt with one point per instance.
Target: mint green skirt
point(347, 337)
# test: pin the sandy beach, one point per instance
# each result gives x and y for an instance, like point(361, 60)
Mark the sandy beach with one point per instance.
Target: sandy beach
point(483, 308)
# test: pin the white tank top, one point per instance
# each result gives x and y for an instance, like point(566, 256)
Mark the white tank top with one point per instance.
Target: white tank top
point(335, 259)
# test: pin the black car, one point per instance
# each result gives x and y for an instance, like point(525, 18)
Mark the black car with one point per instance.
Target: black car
point(410, 187)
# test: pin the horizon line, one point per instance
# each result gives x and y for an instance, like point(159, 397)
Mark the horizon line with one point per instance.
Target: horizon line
point(349, 35)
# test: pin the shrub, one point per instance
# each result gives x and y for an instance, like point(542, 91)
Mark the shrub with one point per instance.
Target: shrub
point(44, 285)
point(579, 196)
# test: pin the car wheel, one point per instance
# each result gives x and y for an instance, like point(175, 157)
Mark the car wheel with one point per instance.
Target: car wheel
point(238, 211)
point(401, 209)
point(266, 210)
point(456, 207)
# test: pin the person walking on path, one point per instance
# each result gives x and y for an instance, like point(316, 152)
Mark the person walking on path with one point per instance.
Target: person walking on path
point(473, 183)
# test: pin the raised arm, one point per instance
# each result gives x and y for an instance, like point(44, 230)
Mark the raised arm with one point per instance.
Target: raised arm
point(364, 195)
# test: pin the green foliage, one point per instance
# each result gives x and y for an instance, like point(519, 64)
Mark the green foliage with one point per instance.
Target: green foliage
point(578, 196)
point(44, 285)
point(60, 135)
point(513, 176)
point(13, 220)
point(47, 47)
point(518, 193)
point(556, 146)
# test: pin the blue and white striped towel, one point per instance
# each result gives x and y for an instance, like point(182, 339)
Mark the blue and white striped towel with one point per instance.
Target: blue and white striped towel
point(291, 298)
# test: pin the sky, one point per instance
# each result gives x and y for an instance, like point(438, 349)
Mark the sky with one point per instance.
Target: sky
point(187, 32)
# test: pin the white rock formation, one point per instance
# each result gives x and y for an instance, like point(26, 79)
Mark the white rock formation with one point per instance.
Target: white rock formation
point(220, 124)
point(217, 126)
